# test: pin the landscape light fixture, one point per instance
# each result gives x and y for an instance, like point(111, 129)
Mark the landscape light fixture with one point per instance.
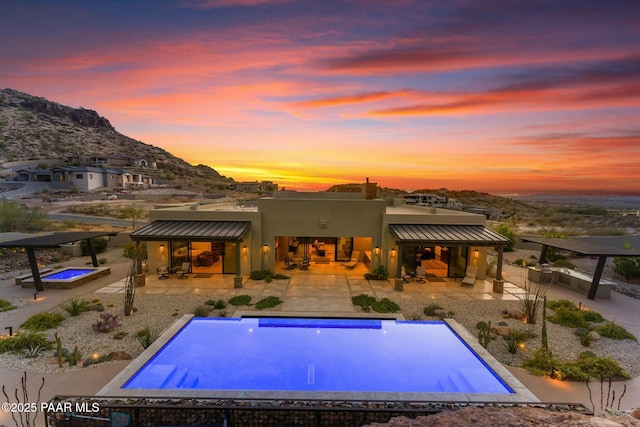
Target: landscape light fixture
point(35, 296)
point(10, 328)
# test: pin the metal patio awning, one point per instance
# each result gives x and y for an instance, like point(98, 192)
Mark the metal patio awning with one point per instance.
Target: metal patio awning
point(448, 234)
point(54, 240)
point(192, 230)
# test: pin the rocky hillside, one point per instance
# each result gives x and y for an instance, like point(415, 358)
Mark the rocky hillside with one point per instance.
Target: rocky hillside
point(33, 128)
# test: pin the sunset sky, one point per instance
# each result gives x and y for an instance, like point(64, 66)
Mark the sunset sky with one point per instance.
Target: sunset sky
point(498, 96)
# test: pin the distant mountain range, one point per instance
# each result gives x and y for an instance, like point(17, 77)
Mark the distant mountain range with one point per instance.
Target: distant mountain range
point(34, 128)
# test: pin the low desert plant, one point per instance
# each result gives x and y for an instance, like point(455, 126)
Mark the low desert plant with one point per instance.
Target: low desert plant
point(202, 311)
point(6, 305)
point(570, 318)
point(75, 307)
point(513, 340)
point(240, 300)
point(106, 322)
point(21, 340)
point(614, 331)
point(43, 321)
point(33, 351)
point(533, 297)
point(385, 305)
point(430, 310)
point(268, 302)
point(146, 337)
point(363, 300)
point(120, 335)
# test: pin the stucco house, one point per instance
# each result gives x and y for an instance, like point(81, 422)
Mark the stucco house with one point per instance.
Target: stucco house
point(319, 228)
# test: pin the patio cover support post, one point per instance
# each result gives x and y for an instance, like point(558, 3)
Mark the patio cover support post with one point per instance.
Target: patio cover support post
point(399, 281)
point(543, 255)
point(35, 273)
point(596, 277)
point(237, 280)
point(92, 251)
point(499, 264)
point(138, 260)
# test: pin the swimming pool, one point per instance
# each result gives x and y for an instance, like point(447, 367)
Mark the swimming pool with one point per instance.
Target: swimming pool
point(317, 358)
point(69, 277)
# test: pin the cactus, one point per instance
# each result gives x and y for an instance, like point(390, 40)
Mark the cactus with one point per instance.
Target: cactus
point(545, 343)
point(59, 349)
point(484, 333)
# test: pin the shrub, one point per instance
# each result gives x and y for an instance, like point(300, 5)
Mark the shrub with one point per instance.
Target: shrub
point(202, 311)
point(541, 363)
point(430, 310)
point(592, 316)
point(99, 245)
point(363, 300)
point(280, 276)
point(569, 318)
point(268, 302)
point(561, 303)
point(106, 322)
point(614, 331)
point(257, 275)
point(6, 305)
point(385, 305)
point(379, 273)
point(43, 321)
point(21, 341)
point(240, 300)
point(75, 307)
point(146, 337)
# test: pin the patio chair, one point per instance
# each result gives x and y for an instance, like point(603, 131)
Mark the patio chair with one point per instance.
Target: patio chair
point(405, 277)
point(470, 276)
point(355, 259)
point(290, 261)
point(421, 274)
point(182, 272)
point(305, 264)
point(163, 272)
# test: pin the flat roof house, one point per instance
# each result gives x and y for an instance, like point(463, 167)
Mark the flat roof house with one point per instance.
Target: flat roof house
point(318, 228)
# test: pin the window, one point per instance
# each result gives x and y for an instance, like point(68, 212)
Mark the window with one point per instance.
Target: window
point(78, 176)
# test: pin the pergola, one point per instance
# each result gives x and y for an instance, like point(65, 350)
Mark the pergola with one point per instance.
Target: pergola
point(30, 244)
point(580, 247)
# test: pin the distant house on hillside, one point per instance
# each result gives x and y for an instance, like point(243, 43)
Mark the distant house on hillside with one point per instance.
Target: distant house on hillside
point(87, 178)
point(111, 161)
point(34, 175)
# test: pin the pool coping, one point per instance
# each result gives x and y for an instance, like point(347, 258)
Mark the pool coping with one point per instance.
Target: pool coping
point(520, 393)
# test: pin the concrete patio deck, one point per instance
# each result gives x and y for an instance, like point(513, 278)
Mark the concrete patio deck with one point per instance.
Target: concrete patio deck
point(323, 289)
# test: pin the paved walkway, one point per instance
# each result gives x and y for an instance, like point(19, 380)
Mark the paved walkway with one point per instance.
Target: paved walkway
point(324, 291)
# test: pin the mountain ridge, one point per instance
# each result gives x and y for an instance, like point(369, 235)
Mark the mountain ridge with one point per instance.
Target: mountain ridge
point(33, 127)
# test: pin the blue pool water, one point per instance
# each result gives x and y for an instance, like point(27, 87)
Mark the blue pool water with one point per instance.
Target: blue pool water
point(354, 355)
point(68, 274)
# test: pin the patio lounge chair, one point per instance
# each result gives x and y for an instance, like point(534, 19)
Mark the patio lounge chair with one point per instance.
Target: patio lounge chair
point(163, 272)
point(355, 259)
point(470, 276)
point(421, 274)
point(182, 272)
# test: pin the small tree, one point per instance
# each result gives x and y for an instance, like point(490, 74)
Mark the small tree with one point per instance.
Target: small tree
point(133, 213)
point(508, 231)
